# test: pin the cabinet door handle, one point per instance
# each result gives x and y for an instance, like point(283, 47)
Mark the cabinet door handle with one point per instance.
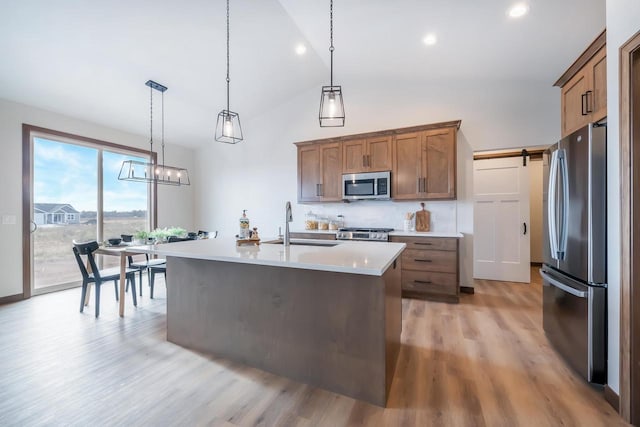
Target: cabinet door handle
point(425, 282)
point(368, 160)
point(422, 260)
point(424, 185)
point(318, 190)
point(364, 161)
point(582, 104)
point(418, 186)
point(589, 109)
point(525, 228)
point(423, 244)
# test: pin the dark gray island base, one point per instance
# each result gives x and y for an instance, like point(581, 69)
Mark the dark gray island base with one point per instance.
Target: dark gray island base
point(336, 331)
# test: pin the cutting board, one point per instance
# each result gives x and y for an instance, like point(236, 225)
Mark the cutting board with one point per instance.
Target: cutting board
point(423, 219)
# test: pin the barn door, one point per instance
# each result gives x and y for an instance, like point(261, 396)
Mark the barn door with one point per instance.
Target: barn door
point(501, 242)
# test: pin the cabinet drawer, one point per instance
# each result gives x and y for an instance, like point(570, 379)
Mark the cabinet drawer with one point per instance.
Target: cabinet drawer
point(434, 243)
point(430, 283)
point(439, 261)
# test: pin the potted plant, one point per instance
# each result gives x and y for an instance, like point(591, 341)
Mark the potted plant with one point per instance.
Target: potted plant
point(141, 237)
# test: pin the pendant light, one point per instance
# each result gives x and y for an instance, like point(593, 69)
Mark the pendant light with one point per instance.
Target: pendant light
point(228, 126)
point(331, 105)
point(133, 170)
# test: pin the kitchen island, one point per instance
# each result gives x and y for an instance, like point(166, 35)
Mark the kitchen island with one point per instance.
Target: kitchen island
point(326, 314)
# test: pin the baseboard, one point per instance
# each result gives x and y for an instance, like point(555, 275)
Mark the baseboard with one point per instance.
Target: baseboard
point(467, 290)
point(612, 398)
point(11, 298)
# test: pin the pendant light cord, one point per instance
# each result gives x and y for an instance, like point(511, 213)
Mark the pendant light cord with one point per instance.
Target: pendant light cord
point(331, 48)
point(228, 79)
point(151, 121)
point(163, 131)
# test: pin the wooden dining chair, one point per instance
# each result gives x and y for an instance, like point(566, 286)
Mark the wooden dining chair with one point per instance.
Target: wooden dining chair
point(153, 270)
point(97, 276)
point(142, 266)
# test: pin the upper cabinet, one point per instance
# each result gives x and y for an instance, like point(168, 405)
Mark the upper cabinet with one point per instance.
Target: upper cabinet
point(422, 161)
point(584, 88)
point(367, 155)
point(320, 173)
point(425, 165)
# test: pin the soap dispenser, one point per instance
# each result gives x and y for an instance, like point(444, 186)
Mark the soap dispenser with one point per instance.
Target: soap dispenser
point(244, 225)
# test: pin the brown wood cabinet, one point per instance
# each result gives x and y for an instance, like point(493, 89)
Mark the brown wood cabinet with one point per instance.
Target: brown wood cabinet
point(430, 268)
point(320, 172)
point(425, 165)
point(422, 160)
point(367, 155)
point(584, 88)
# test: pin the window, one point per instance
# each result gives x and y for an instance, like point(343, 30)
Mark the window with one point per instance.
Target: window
point(76, 195)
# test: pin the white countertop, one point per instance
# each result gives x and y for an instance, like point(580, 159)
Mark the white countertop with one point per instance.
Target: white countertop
point(398, 233)
point(369, 258)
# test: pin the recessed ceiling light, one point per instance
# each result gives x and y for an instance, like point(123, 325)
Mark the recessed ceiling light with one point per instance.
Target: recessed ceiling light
point(301, 49)
point(518, 10)
point(430, 39)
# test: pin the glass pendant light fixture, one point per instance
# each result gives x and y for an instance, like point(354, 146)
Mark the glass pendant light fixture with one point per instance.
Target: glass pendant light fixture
point(133, 170)
point(331, 105)
point(228, 126)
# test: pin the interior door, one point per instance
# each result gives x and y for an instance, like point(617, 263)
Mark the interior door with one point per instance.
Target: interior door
point(501, 242)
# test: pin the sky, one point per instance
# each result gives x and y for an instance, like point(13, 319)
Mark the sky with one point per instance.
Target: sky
point(67, 173)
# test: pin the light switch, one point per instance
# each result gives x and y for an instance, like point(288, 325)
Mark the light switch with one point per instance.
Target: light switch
point(8, 219)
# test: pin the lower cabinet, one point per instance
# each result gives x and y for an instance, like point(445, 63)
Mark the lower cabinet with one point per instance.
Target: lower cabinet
point(430, 268)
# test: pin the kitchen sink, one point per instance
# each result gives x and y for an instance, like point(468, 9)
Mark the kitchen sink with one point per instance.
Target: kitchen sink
point(298, 242)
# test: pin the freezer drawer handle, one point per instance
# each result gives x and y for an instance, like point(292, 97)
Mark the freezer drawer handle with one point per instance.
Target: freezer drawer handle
point(560, 285)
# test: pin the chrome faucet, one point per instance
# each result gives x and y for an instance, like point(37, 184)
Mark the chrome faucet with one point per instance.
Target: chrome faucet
point(288, 218)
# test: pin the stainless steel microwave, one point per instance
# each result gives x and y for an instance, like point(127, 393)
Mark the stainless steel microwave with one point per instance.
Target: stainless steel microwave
point(366, 186)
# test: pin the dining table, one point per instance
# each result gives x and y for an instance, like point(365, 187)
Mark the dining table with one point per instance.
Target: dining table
point(122, 250)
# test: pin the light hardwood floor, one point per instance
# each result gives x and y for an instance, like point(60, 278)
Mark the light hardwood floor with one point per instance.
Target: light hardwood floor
point(483, 362)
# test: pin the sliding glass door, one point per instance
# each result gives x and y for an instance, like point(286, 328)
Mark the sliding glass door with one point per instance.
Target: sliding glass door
point(75, 194)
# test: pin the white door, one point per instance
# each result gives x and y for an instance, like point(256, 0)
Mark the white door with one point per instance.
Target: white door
point(501, 244)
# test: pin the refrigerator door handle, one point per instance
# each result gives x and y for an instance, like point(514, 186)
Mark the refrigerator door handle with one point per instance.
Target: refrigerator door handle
point(551, 206)
point(558, 284)
point(564, 167)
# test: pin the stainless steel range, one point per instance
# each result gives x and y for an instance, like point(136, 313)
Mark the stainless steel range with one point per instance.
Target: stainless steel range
point(356, 233)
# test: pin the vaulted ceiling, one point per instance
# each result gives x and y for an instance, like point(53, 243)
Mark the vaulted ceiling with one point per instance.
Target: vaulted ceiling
point(90, 59)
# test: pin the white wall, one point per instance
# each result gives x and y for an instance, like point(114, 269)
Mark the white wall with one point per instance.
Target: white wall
point(175, 204)
point(259, 174)
point(623, 21)
point(535, 209)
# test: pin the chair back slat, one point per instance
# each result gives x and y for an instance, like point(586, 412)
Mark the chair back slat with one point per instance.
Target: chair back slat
point(87, 249)
point(83, 268)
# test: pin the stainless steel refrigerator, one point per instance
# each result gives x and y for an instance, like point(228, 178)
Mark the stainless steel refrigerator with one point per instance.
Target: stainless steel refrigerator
point(575, 250)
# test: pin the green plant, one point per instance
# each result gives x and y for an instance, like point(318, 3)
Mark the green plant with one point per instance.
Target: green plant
point(177, 231)
point(141, 235)
point(164, 233)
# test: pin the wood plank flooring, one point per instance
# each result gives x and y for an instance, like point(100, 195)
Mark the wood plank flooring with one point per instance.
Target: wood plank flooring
point(483, 362)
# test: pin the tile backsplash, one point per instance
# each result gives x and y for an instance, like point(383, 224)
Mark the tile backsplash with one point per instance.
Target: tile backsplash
point(375, 213)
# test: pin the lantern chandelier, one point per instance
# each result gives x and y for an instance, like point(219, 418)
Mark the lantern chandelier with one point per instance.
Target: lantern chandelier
point(228, 126)
point(133, 170)
point(331, 105)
